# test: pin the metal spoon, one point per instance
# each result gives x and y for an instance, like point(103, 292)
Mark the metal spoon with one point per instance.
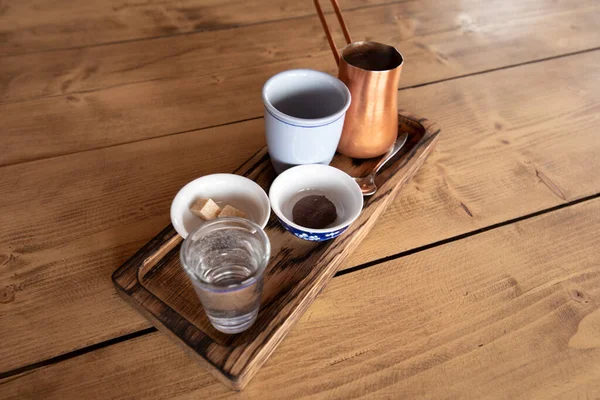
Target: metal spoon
point(367, 183)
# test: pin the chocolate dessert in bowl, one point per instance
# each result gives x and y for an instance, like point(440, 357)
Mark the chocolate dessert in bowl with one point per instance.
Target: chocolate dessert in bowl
point(315, 202)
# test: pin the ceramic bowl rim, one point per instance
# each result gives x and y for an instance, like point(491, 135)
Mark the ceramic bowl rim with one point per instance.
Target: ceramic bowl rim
point(307, 122)
point(264, 200)
point(277, 210)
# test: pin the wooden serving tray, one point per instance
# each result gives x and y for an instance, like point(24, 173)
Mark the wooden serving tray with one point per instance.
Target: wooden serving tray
point(155, 284)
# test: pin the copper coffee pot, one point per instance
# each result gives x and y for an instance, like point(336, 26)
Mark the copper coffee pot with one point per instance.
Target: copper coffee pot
point(371, 71)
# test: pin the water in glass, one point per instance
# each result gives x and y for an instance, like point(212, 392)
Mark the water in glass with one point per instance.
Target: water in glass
point(225, 260)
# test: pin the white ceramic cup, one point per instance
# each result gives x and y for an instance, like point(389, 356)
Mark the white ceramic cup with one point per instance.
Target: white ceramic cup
point(304, 117)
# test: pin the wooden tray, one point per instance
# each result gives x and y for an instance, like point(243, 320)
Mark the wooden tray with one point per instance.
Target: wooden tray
point(155, 284)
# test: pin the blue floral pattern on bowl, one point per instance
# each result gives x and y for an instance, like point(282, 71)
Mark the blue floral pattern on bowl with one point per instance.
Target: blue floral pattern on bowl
point(312, 236)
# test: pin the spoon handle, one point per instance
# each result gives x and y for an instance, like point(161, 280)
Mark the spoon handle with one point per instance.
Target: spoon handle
point(391, 153)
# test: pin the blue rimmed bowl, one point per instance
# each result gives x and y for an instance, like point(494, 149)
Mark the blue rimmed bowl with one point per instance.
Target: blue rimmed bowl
point(316, 179)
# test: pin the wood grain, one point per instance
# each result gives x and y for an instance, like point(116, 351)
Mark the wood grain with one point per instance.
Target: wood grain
point(504, 314)
point(102, 96)
point(34, 25)
point(515, 144)
point(90, 222)
point(76, 218)
point(297, 271)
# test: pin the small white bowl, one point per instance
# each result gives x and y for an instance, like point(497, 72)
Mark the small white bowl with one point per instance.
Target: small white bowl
point(316, 179)
point(225, 189)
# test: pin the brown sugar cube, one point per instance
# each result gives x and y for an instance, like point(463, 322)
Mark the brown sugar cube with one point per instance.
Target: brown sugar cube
point(229, 211)
point(206, 209)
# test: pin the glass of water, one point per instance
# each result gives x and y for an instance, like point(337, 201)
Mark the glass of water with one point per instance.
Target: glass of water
point(225, 259)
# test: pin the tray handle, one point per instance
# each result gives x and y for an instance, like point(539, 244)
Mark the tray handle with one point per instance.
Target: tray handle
point(149, 263)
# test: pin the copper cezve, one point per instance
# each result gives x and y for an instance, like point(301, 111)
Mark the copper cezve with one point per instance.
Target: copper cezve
point(371, 71)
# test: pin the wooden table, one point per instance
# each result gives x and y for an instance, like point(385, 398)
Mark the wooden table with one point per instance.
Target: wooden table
point(482, 280)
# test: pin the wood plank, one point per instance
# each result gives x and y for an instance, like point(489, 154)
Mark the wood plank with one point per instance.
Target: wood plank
point(503, 314)
point(90, 222)
point(511, 145)
point(38, 25)
point(125, 92)
point(69, 222)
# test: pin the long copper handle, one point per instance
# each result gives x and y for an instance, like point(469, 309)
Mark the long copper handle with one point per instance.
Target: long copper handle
point(340, 18)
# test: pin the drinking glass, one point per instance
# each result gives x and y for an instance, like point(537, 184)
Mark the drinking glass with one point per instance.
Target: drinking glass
point(225, 260)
